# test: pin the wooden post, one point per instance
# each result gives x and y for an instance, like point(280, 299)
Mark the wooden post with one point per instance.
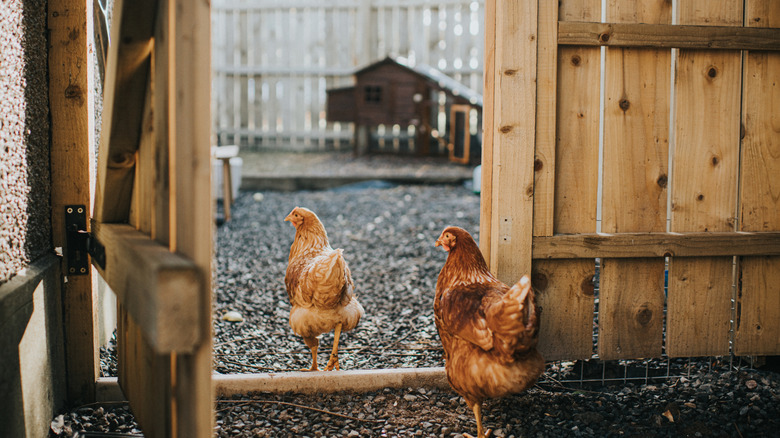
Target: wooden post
point(72, 157)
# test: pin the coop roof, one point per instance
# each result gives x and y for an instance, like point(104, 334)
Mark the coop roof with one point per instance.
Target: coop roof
point(430, 74)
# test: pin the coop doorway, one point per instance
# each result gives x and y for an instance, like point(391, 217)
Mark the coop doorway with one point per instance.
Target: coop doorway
point(538, 209)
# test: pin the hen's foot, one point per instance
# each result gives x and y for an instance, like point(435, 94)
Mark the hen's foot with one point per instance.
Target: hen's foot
point(311, 342)
point(334, 354)
point(333, 362)
point(487, 434)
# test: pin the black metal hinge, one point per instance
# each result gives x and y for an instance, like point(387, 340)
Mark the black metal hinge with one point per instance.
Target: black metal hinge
point(80, 242)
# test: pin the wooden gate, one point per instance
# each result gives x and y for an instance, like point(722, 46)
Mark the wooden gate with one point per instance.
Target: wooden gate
point(648, 139)
point(153, 211)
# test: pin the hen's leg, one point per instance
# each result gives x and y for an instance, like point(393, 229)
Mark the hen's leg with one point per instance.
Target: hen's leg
point(477, 408)
point(314, 344)
point(333, 362)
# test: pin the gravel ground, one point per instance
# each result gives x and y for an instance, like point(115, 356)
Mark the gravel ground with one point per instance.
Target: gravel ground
point(388, 239)
point(712, 401)
point(388, 234)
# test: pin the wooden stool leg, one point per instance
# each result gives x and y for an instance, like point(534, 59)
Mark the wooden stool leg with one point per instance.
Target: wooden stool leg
point(227, 189)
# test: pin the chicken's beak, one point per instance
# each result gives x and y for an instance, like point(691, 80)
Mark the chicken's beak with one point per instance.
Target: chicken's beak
point(441, 242)
point(289, 218)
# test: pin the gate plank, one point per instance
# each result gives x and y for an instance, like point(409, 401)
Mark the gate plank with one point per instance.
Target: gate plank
point(192, 222)
point(704, 178)
point(486, 184)
point(576, 189)
point(145, 377)
point(145, 374)
point(546, 87)
point(514, 95)
point(636, 147)
point(127, 72)
point(631, 305)
point(564, 291)
point(757, 330)
point(577, 152)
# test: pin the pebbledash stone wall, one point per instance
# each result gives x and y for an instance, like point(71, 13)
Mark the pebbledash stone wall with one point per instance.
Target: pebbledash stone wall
point(25, 224)
point(32, 347)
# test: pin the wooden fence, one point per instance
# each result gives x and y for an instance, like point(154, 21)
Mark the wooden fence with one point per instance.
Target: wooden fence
point(669, 130)
point(272, 61)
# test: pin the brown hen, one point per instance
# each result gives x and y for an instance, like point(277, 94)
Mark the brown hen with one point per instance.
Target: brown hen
point(488, 330)
point(319, 285)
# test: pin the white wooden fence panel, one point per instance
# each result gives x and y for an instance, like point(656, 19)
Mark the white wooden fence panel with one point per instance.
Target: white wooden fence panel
point(273, 61)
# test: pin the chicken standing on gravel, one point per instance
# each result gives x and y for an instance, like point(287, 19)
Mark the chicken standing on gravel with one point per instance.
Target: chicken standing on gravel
point(488, 330)
point(319, 286)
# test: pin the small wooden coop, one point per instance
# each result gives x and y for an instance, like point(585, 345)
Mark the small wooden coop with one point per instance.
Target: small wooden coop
point(393, 92)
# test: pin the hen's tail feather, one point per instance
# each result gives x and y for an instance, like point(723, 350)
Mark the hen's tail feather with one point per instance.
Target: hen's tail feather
point(515, 321)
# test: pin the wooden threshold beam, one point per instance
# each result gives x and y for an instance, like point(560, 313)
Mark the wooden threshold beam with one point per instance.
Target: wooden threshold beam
point(638, 245)
point(161, 290)
point(571, 33)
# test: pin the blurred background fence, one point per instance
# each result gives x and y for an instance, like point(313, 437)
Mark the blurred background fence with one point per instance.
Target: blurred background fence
point(273, 61)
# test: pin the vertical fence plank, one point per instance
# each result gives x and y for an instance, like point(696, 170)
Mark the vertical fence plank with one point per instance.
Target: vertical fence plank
point(555, 283)
point(514, 96)
point(235, 64)
point(565, 294)
point(252, 109)
point(544, 157)
point(486, 183)
point(758, 320)
point(576, 160)
point(144, 375)
point(704, 183)
point(192, 224)
point(570, 298)
point(636, 131)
